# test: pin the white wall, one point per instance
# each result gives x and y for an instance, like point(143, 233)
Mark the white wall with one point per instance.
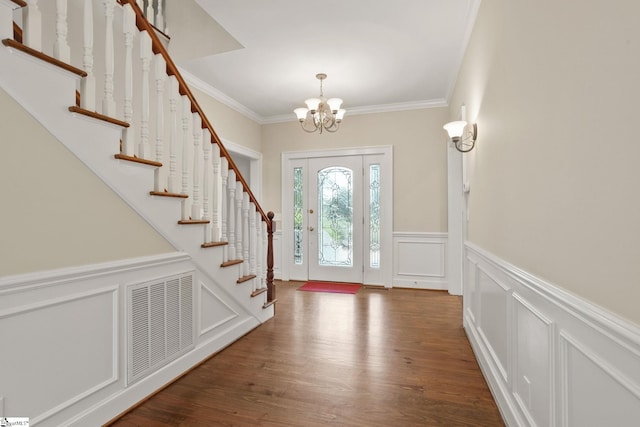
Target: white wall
point(56, 213)
point(551, 264)
point(419, 154)
point(553, 86)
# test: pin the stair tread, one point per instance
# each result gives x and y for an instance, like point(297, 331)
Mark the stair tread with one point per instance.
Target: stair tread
point(231, 262)
point(168, 194)
point(43, 56)
point(269, 303)
point(258, 292)
point(98, 116)
point(213, 244)
point(135, 159)
point(193, 221)
point(246, 278)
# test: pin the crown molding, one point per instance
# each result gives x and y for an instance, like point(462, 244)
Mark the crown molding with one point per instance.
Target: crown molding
point(225, 99)
point(202, 86)
point(370, 109)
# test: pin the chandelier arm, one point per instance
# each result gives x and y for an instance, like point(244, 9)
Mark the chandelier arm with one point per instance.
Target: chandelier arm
point(307, 130)
point(333, 128)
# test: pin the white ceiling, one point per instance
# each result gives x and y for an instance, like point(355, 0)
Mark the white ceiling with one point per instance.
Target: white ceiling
point(379, 55)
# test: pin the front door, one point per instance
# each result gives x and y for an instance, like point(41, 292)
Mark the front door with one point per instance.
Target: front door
point(335, 219)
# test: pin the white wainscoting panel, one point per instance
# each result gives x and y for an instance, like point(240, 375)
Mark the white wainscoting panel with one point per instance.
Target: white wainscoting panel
point(64, 357)
point(46, 335)
point(549, 357)
point(214, 311)
point(419, 260)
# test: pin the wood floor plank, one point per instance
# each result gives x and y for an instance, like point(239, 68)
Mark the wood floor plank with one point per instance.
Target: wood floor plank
point(378, 358)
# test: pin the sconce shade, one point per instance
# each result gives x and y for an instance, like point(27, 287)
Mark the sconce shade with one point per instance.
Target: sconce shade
point(455, 129)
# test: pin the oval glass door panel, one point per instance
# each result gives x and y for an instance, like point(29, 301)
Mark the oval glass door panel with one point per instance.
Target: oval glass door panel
point(335, 217)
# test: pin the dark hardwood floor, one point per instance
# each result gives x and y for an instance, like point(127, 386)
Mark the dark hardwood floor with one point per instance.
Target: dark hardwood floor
point(378, 358)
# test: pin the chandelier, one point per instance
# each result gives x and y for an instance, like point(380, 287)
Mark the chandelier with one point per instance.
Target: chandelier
point(321, 113)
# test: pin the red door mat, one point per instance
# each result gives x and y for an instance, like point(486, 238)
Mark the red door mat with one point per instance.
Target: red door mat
point(338, 288)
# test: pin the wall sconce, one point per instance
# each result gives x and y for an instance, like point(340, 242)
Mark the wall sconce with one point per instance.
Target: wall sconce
point(464, 142)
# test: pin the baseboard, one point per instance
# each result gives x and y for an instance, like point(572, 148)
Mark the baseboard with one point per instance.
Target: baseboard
point(550, 357)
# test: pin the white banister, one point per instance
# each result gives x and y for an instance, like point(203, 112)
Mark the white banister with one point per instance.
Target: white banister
point(146, 53)
point(61, 48)
point(186, 119)
point(88, 85)
point(215, 183)
point(160, 77)
point(245, 233)
point(196, 205)
point(108, 102)
point(149, 12)
point(129, 29)
point(252, 240)
point(265, 245)
point(174, 95)
point(206, 183)
point(160, 16)
point(224, 175)
point(32, 18)
point(6, 21)
point(239, 192)
point(231, 216)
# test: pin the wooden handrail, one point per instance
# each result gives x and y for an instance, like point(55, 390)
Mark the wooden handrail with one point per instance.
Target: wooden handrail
point(158, 48)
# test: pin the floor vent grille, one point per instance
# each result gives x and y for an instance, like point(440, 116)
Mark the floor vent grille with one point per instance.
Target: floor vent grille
point(160, 323)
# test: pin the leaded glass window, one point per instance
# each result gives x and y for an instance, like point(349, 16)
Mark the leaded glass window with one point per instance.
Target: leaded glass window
point(374, 216)
point(335, 217)
point(298, 250)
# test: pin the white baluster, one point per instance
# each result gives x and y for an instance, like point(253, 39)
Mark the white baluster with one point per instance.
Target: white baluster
point(252, 239)
point(215, 184)
point(149, 13)
point(245, 233)
point(186, 140)
point(224, 175)
point(146, 53)
point(32, 18)
point(61, 48)
point(108, 103)
point(257, 242)
point(239, 192)
point(160, 16)
point(161, 76)
point(231, 217)
point(88, 84)
point(173, 134)
point(6, 22)
point(196, 206)
point(140, 4)
point(129, 29)
point(206, 183)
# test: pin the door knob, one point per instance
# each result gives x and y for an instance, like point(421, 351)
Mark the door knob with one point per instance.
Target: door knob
point(310, 228)
point(310, 211)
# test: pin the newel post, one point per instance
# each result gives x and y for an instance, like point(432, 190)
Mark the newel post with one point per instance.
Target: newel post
point(271, 228)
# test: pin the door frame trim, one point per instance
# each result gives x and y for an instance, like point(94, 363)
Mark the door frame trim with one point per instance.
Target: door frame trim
point(386, 252)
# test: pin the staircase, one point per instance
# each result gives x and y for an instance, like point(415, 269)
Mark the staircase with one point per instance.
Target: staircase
point(98, 77)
